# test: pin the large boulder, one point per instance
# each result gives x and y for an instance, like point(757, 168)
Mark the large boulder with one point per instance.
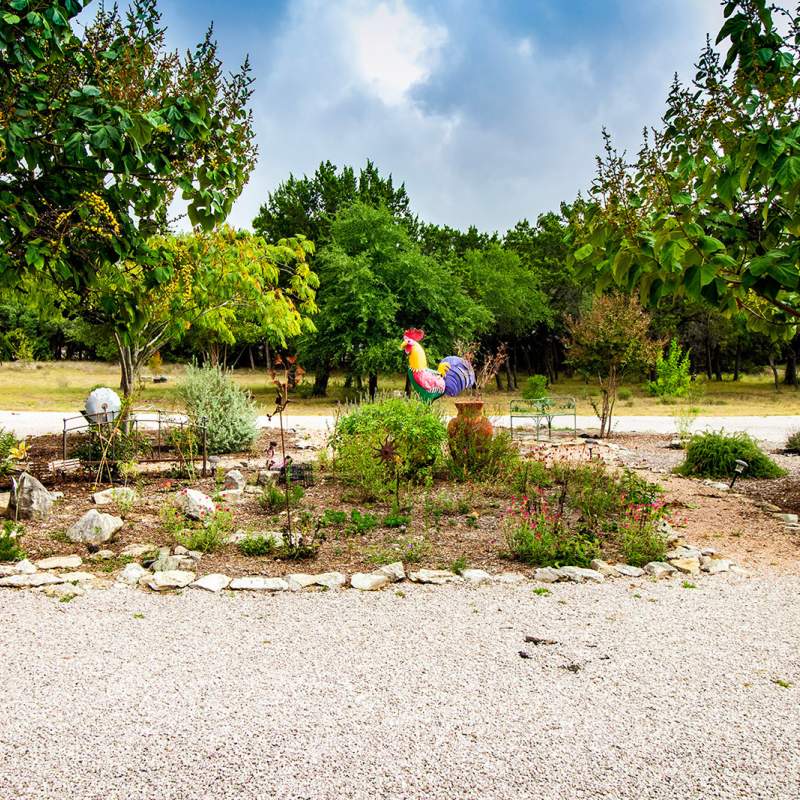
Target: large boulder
point(234, 480)
point(94, 528)
point(31, 501)
point(117, 494)
point(194, 504)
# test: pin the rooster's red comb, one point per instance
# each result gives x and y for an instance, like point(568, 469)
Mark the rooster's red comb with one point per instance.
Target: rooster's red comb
point(415, 333)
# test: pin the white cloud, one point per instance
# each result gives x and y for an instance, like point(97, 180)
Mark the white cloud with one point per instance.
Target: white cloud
point(393, 49)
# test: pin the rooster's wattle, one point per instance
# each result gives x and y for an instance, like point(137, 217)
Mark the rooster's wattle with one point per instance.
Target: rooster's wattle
point(453, 375)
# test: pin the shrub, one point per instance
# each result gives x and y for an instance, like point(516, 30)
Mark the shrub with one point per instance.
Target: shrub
point(672, 373)
point(535, 387)
point(7, 443)
point(333, 518)
point(536, 534)
point(793, 442)
point(210, 535)
point(416, 429)
point(10, 535)
point(273, 497)
point(496, 458)
point(257, 546)
point(714, 454)
point(210, 393)
point(624, 394)
point(361, 523)
point(639, 539)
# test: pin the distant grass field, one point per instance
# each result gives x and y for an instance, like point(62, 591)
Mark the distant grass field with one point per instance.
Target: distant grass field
point(63, 386)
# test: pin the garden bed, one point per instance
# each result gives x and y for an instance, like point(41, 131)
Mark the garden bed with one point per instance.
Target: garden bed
point(451, 524)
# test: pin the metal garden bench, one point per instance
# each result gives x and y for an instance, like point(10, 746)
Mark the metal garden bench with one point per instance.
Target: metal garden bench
point(543, 410)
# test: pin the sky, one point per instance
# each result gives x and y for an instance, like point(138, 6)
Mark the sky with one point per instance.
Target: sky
point(489, 112)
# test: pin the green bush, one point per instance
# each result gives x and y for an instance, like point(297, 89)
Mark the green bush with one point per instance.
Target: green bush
point(210, 393)
point(273, 497)
point(257, 546)
point(10, 535)
point(792, 443)
point(535, 387)
point(416, 429)
point(497, 458)
point(672, 373)
point(641, 544)
point(7, 443)
point(714, 454)
point(210, 535)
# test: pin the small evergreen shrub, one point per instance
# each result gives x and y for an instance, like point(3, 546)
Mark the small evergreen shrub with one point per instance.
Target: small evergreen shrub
point(10, 535)
point(535, 387)
point(714, 454)
point(210, 535)
point(273, 497)
point(257, 546)
point(672, 373)
point(793, 442)
point(230, 413)
point(415, 428)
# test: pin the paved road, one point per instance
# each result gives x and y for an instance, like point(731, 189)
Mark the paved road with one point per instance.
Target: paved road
point(773, 429)
point(651, 692)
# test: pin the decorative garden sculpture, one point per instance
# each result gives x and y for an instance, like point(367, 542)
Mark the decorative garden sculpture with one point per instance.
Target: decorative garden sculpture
point(453, 375)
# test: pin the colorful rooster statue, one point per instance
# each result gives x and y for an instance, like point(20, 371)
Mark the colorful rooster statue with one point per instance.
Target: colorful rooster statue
point(452, 376)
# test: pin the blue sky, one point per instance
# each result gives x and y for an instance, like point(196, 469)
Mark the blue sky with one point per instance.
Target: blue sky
point(489, 111)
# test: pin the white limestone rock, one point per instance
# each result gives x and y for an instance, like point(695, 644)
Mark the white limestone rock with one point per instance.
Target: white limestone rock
point(94, 528)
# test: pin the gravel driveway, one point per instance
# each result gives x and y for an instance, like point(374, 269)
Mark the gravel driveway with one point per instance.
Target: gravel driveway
point(652, 691)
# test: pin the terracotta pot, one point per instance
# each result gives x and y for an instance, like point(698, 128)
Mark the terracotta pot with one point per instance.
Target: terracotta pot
point(469, 431)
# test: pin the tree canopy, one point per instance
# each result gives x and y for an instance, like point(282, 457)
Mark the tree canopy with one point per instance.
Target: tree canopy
point(709, 210)
point(98, 133)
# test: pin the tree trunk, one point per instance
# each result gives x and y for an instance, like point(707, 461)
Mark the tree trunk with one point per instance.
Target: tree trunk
point(774, 371)
point(373, 385)
point(498, 381)
point(509, 376)
point(790, 375)
point(718, 363)
point(252, 357)
point(737, 361)
point(407, 388)
point(267, 356)
point(321, 378)
point(709, 371)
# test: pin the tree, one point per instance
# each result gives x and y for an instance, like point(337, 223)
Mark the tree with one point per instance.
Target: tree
point(710, 209)
point(308, 206)
point(217, 278)
point(496, 279)
point(375, 283)
point(97, 134)
point(606, 343)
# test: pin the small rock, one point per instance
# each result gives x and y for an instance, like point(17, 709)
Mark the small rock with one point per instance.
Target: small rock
point(184, 562)
point(194, 504)
point(659, 569)
point(166, 563)
point(435, 576)
point(132, 574)
point(214, 582)
point(32, 500)
point(63, 590)
point(77, 577)
point(258, 583)
point(708, 551)
point(26, 581)
point(786, 517)
point(683, 552)
point(60, 562)
point(629, 571)
point(179, 550)
point(690, 566)
point(509, 577)
point(581, 574)
point(94, 528)
point(369, 581)
point(234, 480)
point(475, 576)
point(603, 567)
point(232, 497)
point(333, 580)
point(194, 555)
point(114, 495)
point(170, 579)
point(717, 565)
point(668, 532)
point(547, 575)
point(771, 508)
point(254, 490)
point(719, 485)
point(137, 550)
point(236, 537)
point(735, 569)
point(394, 572)
point(264, 477)
point(102, 555)
point(24, 567)
point(300, 580)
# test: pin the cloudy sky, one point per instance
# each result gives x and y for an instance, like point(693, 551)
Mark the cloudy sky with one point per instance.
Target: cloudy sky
point(489, 111)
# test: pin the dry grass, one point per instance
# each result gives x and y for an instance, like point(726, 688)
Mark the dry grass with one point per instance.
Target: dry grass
point(63, 386)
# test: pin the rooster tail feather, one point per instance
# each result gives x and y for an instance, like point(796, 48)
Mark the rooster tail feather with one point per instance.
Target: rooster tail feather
point(458, 375)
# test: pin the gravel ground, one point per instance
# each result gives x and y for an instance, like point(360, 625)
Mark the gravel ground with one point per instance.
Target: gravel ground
point(651, 691)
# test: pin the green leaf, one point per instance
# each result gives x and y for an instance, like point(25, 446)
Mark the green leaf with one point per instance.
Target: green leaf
point(682, 199)
point(583, 252)
point(788, 173)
